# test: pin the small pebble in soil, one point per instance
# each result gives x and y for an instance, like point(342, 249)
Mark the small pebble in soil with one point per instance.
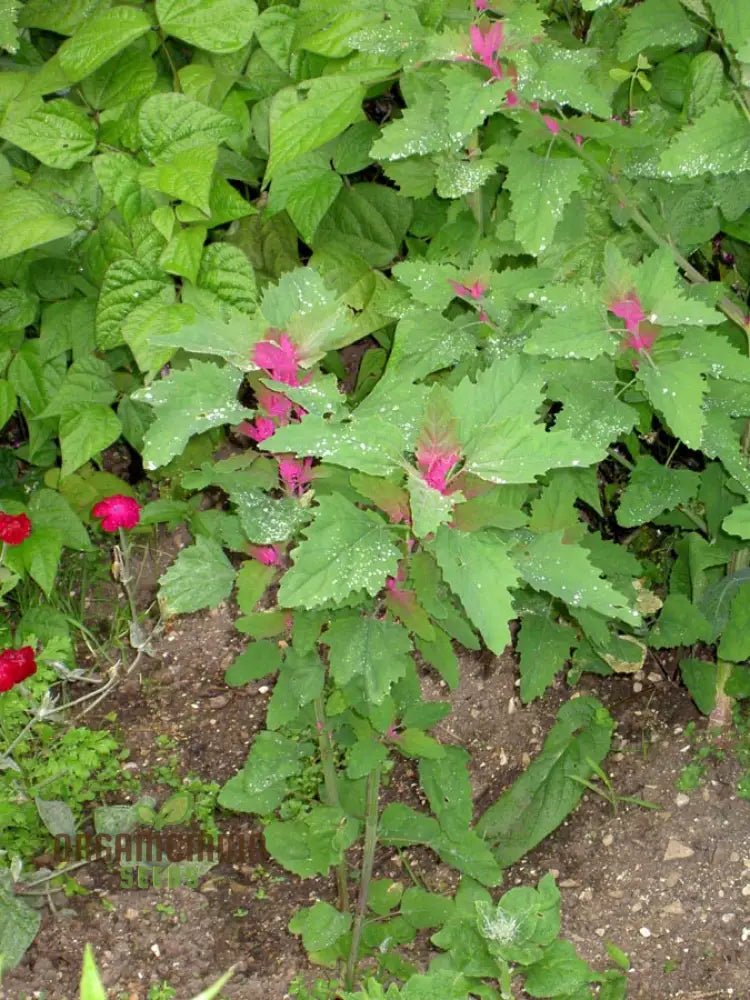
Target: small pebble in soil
point(607, 839)
point(681, 799)
point(637, 687)
point(644, 932)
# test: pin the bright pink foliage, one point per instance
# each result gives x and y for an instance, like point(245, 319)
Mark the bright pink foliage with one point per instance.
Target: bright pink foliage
point(629, 308)
point(435, 467)
point(278, 356)
point(295, 474)
point(269, 555)
point(486, 45)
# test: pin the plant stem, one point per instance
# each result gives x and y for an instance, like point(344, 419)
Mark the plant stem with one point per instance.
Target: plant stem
point(371, 837)
point(331, 793)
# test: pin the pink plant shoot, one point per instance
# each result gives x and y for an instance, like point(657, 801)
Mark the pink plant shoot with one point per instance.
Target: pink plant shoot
point(269, 555)
point(475, 291)
point(278, 356)
point(435, 467)
point(486, 45)
point(295, 474)
point(481, 4)
point(259, 430)
point(629, 308)
point(275, 404)
point(552, 124)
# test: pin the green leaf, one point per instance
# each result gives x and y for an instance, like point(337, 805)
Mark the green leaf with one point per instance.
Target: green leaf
point(40, 553)
point(257, 661)
point(680, 623)
point(654, 488)
point(543, 646)
point(364, 757)
point(447, 786)
point(705, 83)
point(262, 783)
point(345, 549)
point(540, 188)
point(733, 20)
point(306, 188)
point(367, 444)
point(421, 129)
point(717, 142)
point(467, 851)
point(186, 176)
point(215, 25)
point(479, 571)
point(300, 681)
point(676, 390)
point(128, 77)
point(186, 403)
point(8, 402)
point(171, 123)
point(226, 272)
point(128, 284)
point(200, 577)
point(263, 518)
point(564, 75)
point(378, 652)
point(57, 132)
point(654, 24)
point(424, 909)
point(429, 508)
point(332, 103)
point(118, 175)
point(368, 219)
point(735, 640)
point(457, 175)
point(84, 433)
point(699, 677)
point(416, 743)
point(99, 39)
point(558, 973)
point(546, 792)
point(311, 844)
point(92, 987)
point(738, 522)
point(566, 571)
point(8, 26)
point(182, 255)
point(49, 509)
point(321, 925)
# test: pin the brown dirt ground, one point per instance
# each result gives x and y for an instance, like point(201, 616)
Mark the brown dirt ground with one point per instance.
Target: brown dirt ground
point(690, 914)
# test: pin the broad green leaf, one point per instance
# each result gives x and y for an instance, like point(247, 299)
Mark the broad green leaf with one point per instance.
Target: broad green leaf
point(312, 843)
point(118, 175)
point(8, 402)
point(479, 571)
point(366, 444)
point(262, 783)
point(420, 130)
point(258, 660)
point(226, 272)
point(186, 176)
point(363, 647)
point(546, 792)
point(457, 176)
point(88, 380)
point(735, 640)
point(57, 132)
point(566, 571)
point(265, 519)
point(332, 104)
point(540, 188)
point(733, 20)
point(99, 39)
point(171, 123)
point(578, 332)
point(680, 623)
point(19, 924)
point(300, 680)
point(84, 433)
point(345, 549)
point(128, 284)
point(705, 82)
point(429, 508)
point(658, 281)
point(51, 15)
point(8, 26)
point(446, 785)
point(188, 402)
point(143, 329)
point(320, 925)
point(369, 219)
point(738, 522)
point(306, 188)
point(596, 416)
point(130, 76)
point(219, 26)
point(559, 972)
point(426, 342)
point(49, 509)
point(676, 391)
point(717, 142)
point(40, 555)
point(653, 488)
point(200, 577)
point(652, 24)
point(182, 255)
point(699, 677)
point(549, 72)
point(543, 647)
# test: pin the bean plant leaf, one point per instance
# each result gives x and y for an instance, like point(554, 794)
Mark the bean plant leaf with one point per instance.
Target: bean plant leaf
point(219, 26)
point(345, 549)
point(100, 38)
point(171, 123)
point(57, 132)
point(84, 433)
point(547, 791)
point(200, 577)
point(188, 402)
point(128, 284)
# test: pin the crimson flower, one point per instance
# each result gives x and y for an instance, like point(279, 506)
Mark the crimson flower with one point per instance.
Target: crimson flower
point(269, 555)
point(275, 404)
point(295, 474)
point(15, 666)
point(279, 357)
point(14, 528)
point(117, 511)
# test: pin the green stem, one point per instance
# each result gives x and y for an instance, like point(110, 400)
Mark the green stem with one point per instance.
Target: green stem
point(331, 793)
point(126, 577)
point(371, 837)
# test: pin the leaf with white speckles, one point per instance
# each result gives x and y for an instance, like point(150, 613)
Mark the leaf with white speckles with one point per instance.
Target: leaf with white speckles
point(367, 444)
point(189, 402)
point(200, 577)
point(676, 391)
point(540, 187)
point(565, 570)
point(345, 549)
point(377, 652)
point(652, 489)
point(717, 142)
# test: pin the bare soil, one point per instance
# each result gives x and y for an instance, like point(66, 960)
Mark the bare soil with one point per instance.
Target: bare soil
point(670, 887)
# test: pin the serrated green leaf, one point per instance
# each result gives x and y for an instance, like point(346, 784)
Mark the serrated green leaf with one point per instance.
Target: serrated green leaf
point(653, 488)
point(200, 577)
point(578, 332)
point(172, 123)
point(457, 176)
point(188, 402)
point(262, 784)
point(546, 792)
point(300, 681)
point(483, 590)
point(332, 103)
point(429, 508)
point(543, 647)
point(375, 651)
point(320, 925)
point(99, 39)
point(215, 25)
point(654, 24)
point(421, 130)
point(540, 188)
point(676, 390)
point(57, 132)
point(564, 75)
point(550, 565)
point(733, 20)
point(365, 443)
point(717, 142)
point(312, 843)
point(345, 549)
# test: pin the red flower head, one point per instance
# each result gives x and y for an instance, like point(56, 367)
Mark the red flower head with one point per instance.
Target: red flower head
point(278, 356)
point(117, 511)
point(14, 528)
point(15, 666)
point(269, 555)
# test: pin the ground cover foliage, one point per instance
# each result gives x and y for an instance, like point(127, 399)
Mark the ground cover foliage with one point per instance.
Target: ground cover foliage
point(464, 285)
